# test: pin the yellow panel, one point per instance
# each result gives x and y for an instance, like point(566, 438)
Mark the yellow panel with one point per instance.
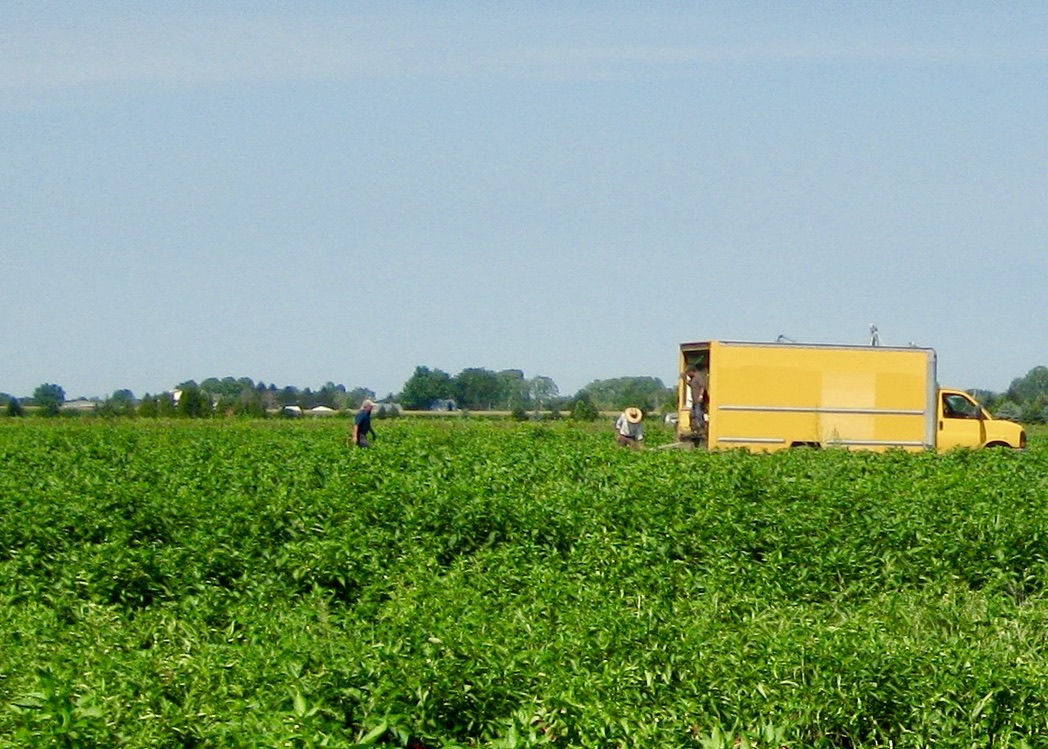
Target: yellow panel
point(766, 396)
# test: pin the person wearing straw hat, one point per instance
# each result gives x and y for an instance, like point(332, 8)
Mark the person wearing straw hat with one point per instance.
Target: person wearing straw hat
point(629, 428)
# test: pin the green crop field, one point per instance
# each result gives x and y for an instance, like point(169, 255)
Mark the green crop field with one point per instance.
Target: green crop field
point(491, 584)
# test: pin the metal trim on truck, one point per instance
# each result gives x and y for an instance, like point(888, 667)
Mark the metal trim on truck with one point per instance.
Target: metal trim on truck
point(879, 443)
point(855, 443)
point(930, 422)
point(827, 410)
point(763, 440)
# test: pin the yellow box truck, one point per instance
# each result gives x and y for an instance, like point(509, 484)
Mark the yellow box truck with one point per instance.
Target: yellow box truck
point(770, 396)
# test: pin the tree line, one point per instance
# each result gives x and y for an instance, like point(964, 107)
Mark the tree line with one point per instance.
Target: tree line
point(472, 389)
point(1025, 400)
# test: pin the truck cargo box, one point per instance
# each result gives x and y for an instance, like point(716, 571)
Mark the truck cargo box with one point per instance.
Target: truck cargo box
point(769, 396)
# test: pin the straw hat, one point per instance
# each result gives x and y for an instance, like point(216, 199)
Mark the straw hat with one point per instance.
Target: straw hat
point(634, 415)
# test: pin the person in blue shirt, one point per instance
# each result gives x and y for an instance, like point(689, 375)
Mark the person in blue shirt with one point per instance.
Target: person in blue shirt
point(362, 425)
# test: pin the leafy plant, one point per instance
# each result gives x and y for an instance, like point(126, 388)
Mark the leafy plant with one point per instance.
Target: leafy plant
point(477, 583)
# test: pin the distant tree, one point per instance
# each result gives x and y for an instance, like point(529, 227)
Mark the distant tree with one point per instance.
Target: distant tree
point(987, 398)
point(1033, 411)
point(268, 396)
point(647, 393)
point(249, 403)
point(559, 403)
point(193, 403)
point(215, 387)
point(331, 395)
point(426, 386)
point(288, 396)
point(542, 389)
point(148, 407)
point(120, 403)
point(669, 401)
point(123, 401)
point(14, 407)
point(356, 396)
point(227, 390)
point(1030, 387)
point(324, 397)
point(514, 387)
point(49, 398)
point(478, 389)
point(583, 408)
point(1008, 410)
point(166, 405)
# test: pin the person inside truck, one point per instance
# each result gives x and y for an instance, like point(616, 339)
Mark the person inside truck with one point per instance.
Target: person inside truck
point(696, 394)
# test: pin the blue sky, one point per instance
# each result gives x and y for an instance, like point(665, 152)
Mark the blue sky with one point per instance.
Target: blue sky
point(337, 191)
